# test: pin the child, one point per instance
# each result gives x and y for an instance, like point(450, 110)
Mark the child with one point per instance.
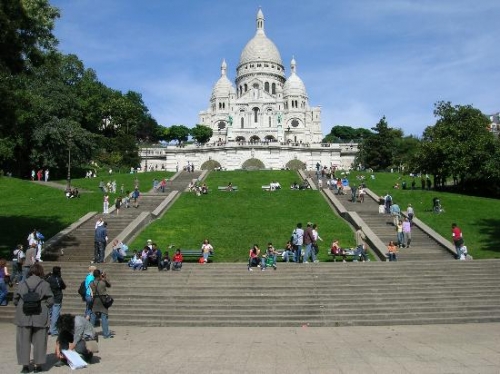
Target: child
point(177, 260)
point(393, 249)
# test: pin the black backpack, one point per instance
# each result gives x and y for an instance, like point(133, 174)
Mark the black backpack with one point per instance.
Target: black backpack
point(32, 303)
point(82, 290)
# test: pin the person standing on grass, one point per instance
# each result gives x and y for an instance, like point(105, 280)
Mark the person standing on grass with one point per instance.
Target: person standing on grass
point(57, 285)
point(458, 240)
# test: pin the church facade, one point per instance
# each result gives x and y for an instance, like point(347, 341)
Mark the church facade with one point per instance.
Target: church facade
point(262, 105)
point(262, 120)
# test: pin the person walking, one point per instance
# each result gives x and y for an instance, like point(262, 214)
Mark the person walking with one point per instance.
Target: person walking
point(406, 232)
point(4, 280)
point(100, 240)
point(57, 286)
point(99, 310)
point(105, 204)
point(458, 240)
point(32, 327)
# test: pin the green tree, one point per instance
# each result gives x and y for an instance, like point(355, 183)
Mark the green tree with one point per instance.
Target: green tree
point(460, 145)
point(201, 133)
point(379, 150)
point(346, 134)
point(178, 133)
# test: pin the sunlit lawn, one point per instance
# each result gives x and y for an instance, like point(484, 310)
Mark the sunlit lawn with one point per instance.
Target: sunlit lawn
point(26, 205)
point(234, 221)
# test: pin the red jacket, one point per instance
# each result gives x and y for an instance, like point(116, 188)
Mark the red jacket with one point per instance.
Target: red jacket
point(177, 257)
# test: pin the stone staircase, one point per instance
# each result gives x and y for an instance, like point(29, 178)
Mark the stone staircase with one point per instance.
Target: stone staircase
point(325, 294)
point(78, 245)
point(423, 247)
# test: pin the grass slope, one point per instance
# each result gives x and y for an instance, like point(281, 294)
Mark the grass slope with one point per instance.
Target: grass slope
point(234, 221)
point(26, 205)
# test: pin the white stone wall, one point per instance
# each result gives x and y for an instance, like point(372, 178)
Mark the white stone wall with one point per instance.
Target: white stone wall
point(232, 157)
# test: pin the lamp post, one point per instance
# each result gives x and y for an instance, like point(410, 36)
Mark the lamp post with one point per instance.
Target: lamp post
point(68, 185)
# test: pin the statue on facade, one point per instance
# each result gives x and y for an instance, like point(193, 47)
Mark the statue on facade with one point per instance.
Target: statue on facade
point(279, 117)
point(230, 120)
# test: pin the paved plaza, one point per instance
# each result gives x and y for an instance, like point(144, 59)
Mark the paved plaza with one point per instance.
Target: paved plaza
point(469, 348)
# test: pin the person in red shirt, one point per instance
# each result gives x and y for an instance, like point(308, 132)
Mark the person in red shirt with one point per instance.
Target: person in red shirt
point(458, 240)
point(177, 260)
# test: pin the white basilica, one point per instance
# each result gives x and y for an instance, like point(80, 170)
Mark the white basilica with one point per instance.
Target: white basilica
point(263, 120)
point(263, 105)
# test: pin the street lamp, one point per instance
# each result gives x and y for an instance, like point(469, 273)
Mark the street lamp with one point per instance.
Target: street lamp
point(68, 185)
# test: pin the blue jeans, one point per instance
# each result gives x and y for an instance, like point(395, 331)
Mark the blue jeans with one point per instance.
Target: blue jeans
point(297, 253)
point(3, 292)
point(309, 253)
point(54, 315)
point(89, 301)
point(105, 325)
point(392, 257)
point(400, 238)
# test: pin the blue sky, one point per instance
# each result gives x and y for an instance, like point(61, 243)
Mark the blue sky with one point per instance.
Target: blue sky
point(359, 59)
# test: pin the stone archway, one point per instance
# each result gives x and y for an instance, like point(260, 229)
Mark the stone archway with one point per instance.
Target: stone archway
point(295, 165)
point(240, 139)
point(253, 164)
point(210, 165)
point(254, 139)
point(270, 138)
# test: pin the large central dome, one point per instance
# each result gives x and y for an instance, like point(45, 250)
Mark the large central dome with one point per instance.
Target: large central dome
point(260, 48)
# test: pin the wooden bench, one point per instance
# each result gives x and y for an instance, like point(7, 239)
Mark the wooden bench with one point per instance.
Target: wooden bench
point(225, 188)
point(194, 253)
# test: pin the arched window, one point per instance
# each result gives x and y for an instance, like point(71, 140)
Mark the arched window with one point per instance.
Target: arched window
point(255, 114)
point(269, 121)
point(246, 87)
point(242, 122)
point(266, 86)
point(273, 87)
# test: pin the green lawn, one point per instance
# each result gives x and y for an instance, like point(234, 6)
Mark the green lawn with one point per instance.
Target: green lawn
point(26, 205)
point(234, 221)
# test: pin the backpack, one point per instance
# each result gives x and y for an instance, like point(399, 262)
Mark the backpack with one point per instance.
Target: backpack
point(295, 237)
point(32, 303)
point(82, 290)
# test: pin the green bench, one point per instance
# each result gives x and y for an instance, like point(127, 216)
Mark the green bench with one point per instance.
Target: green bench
point(225, 188)
point(194, 253)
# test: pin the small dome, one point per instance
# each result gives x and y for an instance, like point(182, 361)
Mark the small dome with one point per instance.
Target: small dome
point(223, 87)
point(294, 85)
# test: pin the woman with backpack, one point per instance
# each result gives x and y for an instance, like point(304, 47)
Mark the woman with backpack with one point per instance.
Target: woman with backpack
point(33, 300)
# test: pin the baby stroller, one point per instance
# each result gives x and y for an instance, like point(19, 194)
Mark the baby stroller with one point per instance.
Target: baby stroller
point(437, 208)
